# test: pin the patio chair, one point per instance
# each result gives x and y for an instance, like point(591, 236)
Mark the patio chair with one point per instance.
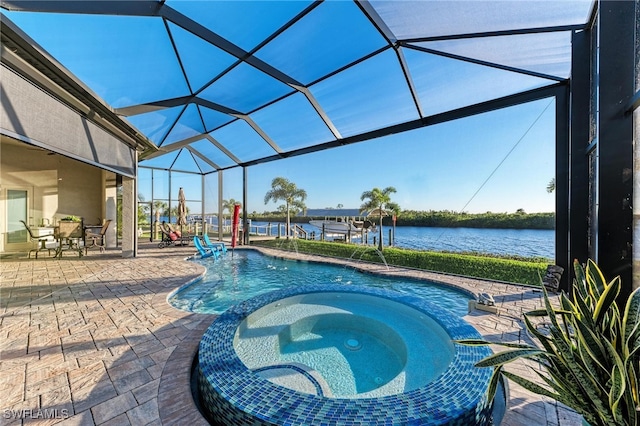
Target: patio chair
point(96, 240)
point(204, 251)
point(41, 241)
point(216, 246)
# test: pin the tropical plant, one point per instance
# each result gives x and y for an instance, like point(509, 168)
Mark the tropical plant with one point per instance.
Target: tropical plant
point(378, 203)
point(160, 208)
point(228, 205)
point(282, 189)
point(551, 186)
point(282, 209)
point(175, 211)
point(590, 356)
point(143, 209)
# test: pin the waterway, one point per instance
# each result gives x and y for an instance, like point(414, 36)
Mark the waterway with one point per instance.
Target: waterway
point(518, 242)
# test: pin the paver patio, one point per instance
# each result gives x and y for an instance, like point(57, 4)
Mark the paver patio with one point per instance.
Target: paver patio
point(92, 341)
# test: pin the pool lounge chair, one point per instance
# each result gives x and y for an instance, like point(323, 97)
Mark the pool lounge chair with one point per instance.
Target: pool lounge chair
point(182, 238)
point(217, 246)
point(204, 252)
point(169, 237)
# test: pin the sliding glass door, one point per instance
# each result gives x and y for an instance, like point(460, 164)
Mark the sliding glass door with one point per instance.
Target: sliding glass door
point(17, 210)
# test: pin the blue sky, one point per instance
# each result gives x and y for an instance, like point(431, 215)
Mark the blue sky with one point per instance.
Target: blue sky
point(435, 168)
point(442, 167)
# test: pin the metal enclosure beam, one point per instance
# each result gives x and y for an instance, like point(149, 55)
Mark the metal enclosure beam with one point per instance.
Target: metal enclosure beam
point(245, 192)
point(467, 111)
point(220, 216)
point(615, 140)
point(563, 230)
point(578, 155)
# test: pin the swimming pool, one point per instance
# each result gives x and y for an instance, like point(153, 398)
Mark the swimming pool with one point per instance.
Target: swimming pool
point(248, 273)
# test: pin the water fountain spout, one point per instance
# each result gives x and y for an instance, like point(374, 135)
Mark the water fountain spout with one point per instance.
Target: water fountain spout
point(365, 249)
point(289, 244)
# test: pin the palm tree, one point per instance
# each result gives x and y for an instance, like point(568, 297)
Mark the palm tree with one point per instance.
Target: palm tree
point(159, 209)
point(143, 208)
point(228, 205)
point(551, 186)
point(282, 189)
point(379, 203)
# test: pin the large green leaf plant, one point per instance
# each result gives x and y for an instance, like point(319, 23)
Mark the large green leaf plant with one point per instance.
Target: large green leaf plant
point(589, 353)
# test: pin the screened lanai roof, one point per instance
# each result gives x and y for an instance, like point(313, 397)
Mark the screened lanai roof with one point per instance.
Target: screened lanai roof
point(221, 84)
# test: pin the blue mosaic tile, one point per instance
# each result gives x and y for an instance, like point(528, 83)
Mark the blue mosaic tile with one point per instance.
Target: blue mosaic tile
point(236, 395)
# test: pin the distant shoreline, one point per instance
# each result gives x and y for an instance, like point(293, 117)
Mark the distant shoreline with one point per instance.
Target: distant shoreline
point(446, 219)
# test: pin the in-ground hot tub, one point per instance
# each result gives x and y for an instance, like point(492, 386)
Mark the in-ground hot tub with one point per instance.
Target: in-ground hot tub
point(359, 345)
point(344, 355)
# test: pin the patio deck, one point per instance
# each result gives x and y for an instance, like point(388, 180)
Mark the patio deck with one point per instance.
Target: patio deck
point(92, 340)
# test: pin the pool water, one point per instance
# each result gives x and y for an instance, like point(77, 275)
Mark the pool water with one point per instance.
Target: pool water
point(351, 362)
point(361, 346)
point(247, 273)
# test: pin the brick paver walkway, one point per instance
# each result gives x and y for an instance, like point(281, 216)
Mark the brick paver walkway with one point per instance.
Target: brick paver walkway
point(92, 341)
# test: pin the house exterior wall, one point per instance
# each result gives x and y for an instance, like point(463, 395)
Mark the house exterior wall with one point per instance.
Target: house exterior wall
point(58, 186)
point(62, 152)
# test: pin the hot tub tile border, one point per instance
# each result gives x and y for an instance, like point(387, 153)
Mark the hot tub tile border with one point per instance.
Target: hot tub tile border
point(240, 396)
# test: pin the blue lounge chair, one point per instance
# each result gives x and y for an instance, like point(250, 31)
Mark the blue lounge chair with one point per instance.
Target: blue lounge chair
point(218, 246)
point(204, 252)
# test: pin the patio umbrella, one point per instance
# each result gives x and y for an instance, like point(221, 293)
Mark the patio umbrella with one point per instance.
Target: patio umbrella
point(234, 226)
point(182, 210)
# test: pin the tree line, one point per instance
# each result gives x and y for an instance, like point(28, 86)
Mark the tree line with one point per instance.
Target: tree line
point(378, 203)
point(444, 219)
point(450, 219)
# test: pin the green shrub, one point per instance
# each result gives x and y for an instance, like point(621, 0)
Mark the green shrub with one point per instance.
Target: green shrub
point(471, 265)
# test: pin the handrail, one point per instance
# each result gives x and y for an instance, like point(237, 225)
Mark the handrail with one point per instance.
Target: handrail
point(301, 230)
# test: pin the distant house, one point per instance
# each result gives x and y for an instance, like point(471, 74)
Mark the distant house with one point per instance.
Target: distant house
point(330, 212)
